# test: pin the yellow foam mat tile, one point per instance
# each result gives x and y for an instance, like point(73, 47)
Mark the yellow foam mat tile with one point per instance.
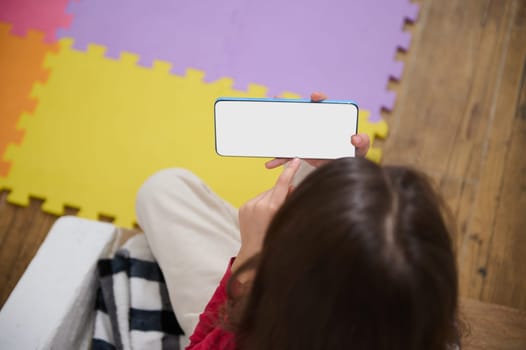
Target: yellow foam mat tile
point(103, 126)
point(374, 130)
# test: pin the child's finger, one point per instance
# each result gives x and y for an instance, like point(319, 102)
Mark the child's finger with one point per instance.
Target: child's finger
point(281, 189)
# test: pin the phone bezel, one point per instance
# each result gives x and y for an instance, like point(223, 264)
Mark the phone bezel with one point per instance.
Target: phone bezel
point(249, 99)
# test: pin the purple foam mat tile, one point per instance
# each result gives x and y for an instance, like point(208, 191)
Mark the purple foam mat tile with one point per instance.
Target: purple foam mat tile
point(397, 68)
point(405, 41)
point(412, 10)
point(344, 48)
point(389, 97)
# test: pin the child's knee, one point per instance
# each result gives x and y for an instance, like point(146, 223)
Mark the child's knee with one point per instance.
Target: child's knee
point(164, 182)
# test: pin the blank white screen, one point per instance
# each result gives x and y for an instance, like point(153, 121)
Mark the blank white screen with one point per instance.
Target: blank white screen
point(285, 129)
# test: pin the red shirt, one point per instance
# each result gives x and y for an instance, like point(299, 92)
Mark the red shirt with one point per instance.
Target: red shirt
point(208, 333)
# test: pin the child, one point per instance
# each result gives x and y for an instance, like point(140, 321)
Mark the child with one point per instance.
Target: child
point(358, 256)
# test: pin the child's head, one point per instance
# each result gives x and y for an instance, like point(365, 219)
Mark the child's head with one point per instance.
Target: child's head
point(358, 257)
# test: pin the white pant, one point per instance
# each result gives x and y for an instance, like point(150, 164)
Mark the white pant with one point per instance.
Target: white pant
point(192, 233)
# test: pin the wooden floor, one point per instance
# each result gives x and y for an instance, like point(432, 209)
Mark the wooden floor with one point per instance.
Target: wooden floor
point(492, 327)
point(460, 116)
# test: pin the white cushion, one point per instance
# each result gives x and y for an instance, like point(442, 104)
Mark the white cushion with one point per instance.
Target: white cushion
point(52, 304)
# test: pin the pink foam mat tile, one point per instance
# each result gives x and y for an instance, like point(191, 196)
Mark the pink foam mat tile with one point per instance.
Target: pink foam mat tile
point(42, 15)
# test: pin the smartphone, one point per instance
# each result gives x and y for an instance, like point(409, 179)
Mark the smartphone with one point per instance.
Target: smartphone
point(284, 128)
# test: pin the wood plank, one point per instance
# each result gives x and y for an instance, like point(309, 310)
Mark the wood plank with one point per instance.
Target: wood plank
point(507, 249)
point(437, 85)
point(22, 231)
point(492, 327)
point(477, 268)
point(6, 217)
point(454, 118)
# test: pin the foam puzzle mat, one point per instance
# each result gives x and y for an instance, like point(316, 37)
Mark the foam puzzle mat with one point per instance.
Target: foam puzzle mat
point(344, 48)
point(20, 67)
point(35, 15)
point(133, 121)
point(84, 120)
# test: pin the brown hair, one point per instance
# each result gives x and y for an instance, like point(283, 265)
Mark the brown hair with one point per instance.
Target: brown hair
point(358, 257)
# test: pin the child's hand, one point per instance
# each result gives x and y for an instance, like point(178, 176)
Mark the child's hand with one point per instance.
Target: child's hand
point(360, 141)
point(255, 215)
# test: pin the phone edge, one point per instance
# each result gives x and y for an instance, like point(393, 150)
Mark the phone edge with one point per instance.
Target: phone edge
point(268, 99)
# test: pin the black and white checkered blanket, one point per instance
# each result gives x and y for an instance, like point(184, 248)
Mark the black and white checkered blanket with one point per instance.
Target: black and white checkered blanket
point(133, 310)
